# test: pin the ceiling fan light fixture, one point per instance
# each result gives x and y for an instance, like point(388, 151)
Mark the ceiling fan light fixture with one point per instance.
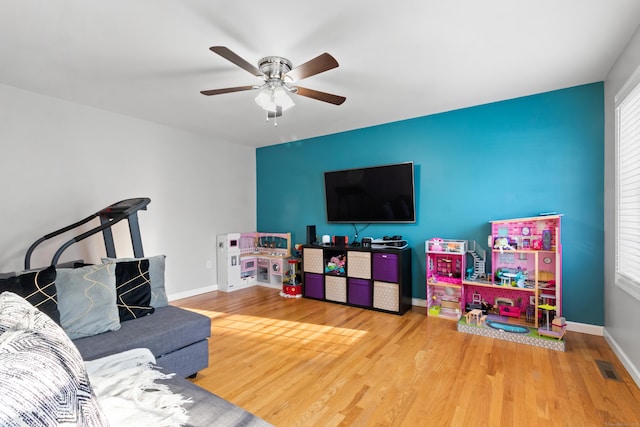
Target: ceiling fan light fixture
point(271, 96)
point(282, 98)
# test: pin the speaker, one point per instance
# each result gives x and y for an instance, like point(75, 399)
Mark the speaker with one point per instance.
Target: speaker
point(311, 234)
point(340, 241)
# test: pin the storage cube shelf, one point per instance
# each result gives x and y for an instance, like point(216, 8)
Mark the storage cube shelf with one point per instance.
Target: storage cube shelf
point(376, 279)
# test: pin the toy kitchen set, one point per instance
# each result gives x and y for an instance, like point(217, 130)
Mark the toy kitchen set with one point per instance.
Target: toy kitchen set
point(253, 258)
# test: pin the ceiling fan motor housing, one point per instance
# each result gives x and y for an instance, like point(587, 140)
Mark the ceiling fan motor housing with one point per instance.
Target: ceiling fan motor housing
point(274, 67)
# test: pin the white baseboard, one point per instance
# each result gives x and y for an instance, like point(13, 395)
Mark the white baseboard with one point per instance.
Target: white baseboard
point(585, 328)
point(419, 302)
point(269, 285)
point(198, 291)
point(192, 292)
point(628, 364)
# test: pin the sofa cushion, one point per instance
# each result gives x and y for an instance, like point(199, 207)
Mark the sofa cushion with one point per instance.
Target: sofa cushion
point(168, 329)
point(87, 300)
point(206, 409)
point(42, 376)
point(156, 277)
point(133, 289)
point(37, 287)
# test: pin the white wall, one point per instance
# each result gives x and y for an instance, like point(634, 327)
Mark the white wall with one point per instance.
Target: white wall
point(61, 162)
point(622, 312)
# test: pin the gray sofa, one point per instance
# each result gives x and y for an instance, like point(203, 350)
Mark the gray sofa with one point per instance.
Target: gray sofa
point(178, 339)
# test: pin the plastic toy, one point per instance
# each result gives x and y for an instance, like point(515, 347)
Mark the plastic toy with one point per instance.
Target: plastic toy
point(558, 329)
point(336, 265)
point(479, 256)
point(506, 310)
point(502, 243)
point(469, 273)
point(436, 244)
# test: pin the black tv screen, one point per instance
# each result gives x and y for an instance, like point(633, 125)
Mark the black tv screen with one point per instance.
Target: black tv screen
point(373, 194)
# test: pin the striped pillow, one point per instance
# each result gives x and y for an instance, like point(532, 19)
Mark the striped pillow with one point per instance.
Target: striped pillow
point(42, 376)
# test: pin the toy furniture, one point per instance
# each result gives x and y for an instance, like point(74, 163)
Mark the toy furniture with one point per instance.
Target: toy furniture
point(558, 329)
point(252, 258)
point(546, 309)
point(474, 316)
point(504, 301)
point(479, 257)
point(509, 311)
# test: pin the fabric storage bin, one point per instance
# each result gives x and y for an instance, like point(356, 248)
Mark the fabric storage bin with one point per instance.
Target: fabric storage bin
point(386, 296)
point(313, 260)
point(336, 288)
point(385, 267)
point(359, 264)
point(359, 292)
point(314, 285)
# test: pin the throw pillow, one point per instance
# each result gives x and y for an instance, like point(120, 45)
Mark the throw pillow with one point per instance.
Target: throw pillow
point(87, 300)
point(156, 276)
point(37, 287)
point(42, 375)
point(133, 289)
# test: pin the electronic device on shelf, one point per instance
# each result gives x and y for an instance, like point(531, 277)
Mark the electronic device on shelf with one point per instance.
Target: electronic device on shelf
point(394, 242)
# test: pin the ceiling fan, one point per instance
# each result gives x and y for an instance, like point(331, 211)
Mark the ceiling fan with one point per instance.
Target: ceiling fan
point(278, 74)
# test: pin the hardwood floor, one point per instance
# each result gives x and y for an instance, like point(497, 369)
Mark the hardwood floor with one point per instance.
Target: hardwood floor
point(300, 362)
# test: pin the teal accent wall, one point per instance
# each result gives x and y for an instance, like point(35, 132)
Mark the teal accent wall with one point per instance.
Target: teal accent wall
point(507, 159)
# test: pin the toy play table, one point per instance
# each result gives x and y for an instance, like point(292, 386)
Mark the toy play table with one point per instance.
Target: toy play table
point(474, 315)
point(547, 308)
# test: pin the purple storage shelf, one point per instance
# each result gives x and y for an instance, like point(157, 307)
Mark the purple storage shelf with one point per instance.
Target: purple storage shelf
point(385, 267)
point(359, 292)
point(314, 285)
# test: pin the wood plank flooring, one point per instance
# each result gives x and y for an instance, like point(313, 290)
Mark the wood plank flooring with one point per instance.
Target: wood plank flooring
point(300, 362)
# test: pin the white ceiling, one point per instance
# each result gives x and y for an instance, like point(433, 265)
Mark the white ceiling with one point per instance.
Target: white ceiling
point(150, 58)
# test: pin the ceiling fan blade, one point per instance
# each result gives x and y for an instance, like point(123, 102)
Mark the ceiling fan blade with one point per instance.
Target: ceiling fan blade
point(317, 65)
point(320, 96)
point(231, 56)
point(226, 90)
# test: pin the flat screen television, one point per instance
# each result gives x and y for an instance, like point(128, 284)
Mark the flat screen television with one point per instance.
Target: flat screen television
point(377, 194)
